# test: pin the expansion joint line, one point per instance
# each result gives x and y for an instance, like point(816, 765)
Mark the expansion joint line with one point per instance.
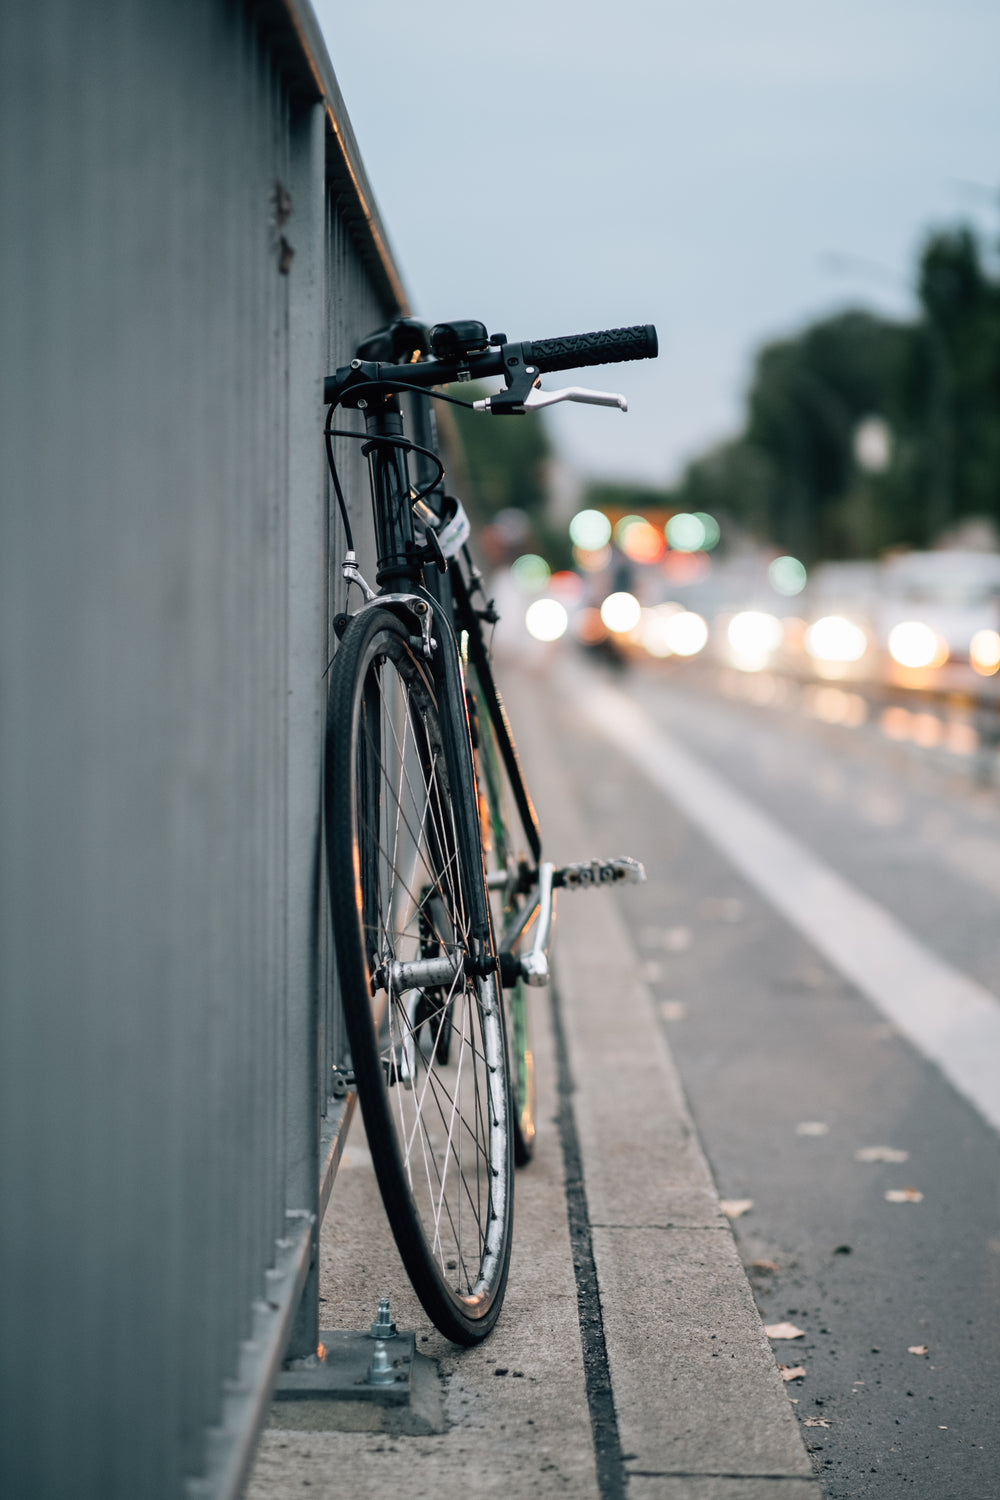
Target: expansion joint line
point(611, 1475)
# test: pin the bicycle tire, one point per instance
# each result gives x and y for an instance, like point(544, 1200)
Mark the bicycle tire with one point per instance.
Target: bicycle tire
point(430, 1059)
point(504, 855)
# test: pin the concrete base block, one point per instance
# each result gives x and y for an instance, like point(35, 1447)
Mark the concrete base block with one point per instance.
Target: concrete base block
point(343, 1404)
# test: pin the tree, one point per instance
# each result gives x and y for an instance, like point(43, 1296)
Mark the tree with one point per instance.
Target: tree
point(951, 389)
point(807, 397)
point(936, 383)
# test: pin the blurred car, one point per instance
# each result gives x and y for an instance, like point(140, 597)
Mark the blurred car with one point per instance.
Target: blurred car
point(953, 596)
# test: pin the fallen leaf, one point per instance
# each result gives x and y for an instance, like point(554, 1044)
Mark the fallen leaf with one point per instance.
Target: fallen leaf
point(812, 1127)
point(769, 1266)
point(904, 1195)
point(918, 1349)
point(733, 1208)
point(784, 1331)
point(673, 1010)
point(816, 1422)
point(881, 1153)
point(792, 1372)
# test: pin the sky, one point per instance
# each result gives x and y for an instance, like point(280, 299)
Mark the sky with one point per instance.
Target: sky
point(729, 170)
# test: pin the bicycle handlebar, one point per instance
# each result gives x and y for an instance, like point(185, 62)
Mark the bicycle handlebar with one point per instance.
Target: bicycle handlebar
point(608, 347)
point(511, 360)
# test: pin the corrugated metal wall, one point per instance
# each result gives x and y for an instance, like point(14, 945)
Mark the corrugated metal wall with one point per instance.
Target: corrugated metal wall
point(186, 245)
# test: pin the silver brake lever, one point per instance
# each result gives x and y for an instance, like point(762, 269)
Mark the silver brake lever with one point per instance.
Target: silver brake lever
point(576, 393)
point(537, 398)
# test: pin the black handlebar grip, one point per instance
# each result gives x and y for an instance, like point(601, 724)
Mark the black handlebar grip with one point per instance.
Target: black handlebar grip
point(608, 347)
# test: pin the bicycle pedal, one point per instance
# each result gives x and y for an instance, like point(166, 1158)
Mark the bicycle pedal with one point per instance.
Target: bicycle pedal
point(600, 872)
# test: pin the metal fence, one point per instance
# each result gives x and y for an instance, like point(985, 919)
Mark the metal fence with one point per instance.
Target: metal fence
point(187, 244)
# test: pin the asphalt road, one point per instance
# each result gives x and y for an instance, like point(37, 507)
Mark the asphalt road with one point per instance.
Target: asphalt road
point(791, 1071)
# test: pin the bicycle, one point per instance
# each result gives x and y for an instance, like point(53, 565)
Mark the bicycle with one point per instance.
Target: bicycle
point(442, 905)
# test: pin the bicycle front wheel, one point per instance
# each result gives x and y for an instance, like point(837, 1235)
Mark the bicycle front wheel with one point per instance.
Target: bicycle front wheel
point(420, 992)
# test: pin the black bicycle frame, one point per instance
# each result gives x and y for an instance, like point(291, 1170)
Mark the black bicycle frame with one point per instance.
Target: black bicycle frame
point(453, 593)
point(400, 568)
point(468, 620)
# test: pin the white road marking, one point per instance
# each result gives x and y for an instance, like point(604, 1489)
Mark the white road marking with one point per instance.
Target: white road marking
point(953, 1021)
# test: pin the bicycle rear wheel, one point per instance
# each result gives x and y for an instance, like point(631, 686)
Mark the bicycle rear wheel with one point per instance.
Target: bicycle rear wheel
point(423, 1015)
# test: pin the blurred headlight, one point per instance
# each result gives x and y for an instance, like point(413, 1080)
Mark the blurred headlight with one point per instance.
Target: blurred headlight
point(546, 620)
point(914, 644)
point(835, 639)
point(685, 633)
point(754, 634)
point(984, 652)
point(620, 613)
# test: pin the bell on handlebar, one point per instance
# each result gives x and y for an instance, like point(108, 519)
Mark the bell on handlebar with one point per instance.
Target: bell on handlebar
point(453, 340)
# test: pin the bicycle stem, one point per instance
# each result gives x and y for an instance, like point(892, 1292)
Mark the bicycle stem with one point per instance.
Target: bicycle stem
point(390, 487)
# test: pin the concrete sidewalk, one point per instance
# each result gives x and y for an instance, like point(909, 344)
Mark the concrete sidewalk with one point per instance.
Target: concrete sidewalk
point(630, 1359)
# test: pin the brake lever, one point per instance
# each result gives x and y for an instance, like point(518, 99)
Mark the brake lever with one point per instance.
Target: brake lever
point(576, 393)
point(536, 398)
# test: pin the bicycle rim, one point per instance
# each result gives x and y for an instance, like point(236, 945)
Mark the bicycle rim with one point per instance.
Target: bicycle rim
point(428, 1045)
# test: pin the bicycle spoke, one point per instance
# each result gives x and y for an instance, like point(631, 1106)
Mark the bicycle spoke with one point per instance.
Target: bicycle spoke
point(435, 1082)
point(458, 1127)
point(449, 869)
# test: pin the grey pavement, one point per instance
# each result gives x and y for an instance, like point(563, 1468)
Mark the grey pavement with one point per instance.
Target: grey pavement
point(666, 1388)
